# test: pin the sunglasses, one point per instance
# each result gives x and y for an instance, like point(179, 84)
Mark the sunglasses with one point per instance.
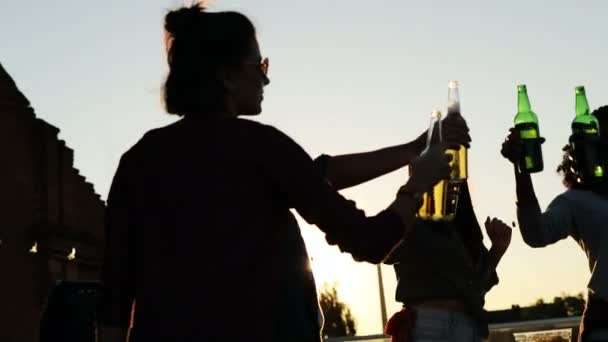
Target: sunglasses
point(263, 65)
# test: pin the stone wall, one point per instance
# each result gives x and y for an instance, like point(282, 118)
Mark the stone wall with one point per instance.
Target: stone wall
point(44, 201)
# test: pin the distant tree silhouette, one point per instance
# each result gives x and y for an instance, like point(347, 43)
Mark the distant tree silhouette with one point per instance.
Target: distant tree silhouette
point(575, 305)
point(339, 320)
point(564, 306)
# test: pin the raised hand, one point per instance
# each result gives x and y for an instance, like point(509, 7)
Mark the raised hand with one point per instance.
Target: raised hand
point(455, 131)
point(499, 234)
point(429, 168)
point(511, 147)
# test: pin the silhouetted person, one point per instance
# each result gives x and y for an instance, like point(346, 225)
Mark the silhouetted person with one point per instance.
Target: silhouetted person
point(199, 229)
point(443, 274)
point(580, 212)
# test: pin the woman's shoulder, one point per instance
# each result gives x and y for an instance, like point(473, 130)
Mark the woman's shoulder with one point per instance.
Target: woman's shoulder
point(244, 132)
point(262, 132)
point(580, 199)
point(256, 126)
point(574, 194)
point(151, 140)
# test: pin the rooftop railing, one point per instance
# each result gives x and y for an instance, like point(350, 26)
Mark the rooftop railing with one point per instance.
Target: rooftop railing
point(554, 329)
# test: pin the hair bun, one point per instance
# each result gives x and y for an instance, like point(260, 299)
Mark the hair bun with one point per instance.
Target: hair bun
point(183, 19)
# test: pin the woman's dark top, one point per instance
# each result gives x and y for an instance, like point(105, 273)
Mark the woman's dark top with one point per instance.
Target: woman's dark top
point(200, 233)
point(445, 260)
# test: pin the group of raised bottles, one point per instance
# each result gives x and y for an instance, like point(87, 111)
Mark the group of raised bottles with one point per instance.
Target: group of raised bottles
point(441, 203)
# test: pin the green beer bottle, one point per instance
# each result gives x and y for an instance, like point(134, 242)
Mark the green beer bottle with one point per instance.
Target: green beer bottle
point(584, 124)
point(526, 122)
point(585, 131)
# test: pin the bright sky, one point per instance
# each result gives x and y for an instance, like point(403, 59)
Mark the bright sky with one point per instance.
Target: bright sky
point(346, 76)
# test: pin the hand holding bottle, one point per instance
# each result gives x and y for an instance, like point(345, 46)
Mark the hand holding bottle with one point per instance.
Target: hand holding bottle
point(511, 147)
point(455, 131)
point(428, 169)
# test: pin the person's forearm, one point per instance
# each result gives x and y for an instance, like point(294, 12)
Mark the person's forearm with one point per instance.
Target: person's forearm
point(494, 256)
point(524, 189)
point(529, 214)
point(348, 170)
point(406, 205)
point(489, 275)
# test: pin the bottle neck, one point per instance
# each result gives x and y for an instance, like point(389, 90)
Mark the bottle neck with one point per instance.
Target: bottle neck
point(453, 100)
point(523, 103)
point(455, 110)
point(582, 107)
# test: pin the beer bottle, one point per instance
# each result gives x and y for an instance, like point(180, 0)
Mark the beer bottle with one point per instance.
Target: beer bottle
point(459, 155)
point(584, 123)
point(436, 202)
point(584, 138)
point(526, 122)
point(459, 163)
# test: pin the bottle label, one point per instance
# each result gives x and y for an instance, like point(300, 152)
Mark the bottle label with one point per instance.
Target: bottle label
point(528, 134)
point(529, 162)
point(598, 171)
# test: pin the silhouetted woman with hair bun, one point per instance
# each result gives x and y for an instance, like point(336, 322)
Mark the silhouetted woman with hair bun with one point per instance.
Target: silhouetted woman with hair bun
point(199, 231)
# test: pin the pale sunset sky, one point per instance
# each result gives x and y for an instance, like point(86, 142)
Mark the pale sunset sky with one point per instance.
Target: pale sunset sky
point(346, 76)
